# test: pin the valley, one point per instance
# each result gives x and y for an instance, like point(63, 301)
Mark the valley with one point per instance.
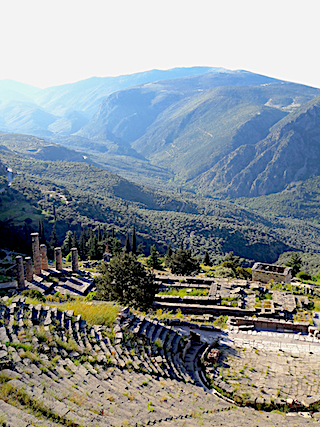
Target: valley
point(193, 174)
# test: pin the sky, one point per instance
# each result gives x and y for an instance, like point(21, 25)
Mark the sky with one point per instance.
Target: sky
point(48, 43)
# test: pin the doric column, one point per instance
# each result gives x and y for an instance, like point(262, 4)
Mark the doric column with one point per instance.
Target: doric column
point(74, 259)
point(20, 272)
point(29, 269)
point(44, 257)
point(58, 258)
point(36, 253)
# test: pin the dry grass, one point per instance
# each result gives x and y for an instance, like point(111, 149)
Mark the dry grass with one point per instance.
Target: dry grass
point(94, 313)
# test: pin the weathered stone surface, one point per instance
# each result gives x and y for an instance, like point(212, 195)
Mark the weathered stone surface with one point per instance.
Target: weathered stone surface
point(29, 269)
point(20, 272)
point(58, 258)
point(44, 257)
point(74, 259)
point(36, 253)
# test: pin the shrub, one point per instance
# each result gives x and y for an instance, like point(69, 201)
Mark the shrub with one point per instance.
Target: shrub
point(221, 271)
point(303, 276)
point(34, 294)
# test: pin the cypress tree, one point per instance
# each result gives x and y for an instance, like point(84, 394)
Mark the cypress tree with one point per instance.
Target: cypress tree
point(134, 240)
point(93, 248)
point(54, 213)
point(41, 233)
point(127, 247)
point(168, 256)
point(206, 259)
point(82, 246)
point(153, 260)
point(53, 237)
point(105, 234)
point(67, 243)
point(74, 241)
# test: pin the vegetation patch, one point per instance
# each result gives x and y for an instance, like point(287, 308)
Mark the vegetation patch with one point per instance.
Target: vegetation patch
point(94, 313)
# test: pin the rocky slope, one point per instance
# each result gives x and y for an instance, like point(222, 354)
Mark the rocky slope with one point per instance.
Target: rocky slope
point(289, 154)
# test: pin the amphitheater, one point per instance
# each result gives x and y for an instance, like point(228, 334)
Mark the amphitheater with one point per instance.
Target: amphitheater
point(56, 370)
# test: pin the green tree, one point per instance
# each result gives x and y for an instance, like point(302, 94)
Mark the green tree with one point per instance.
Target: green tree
point(222, 271)
point(182, 262)
point(125, 280)
point(67, 243)
point(83, 246)
point(134, 240)
point(231, 261)
point(295, 262)
point(127, 247)
point(140, 249)
point(168, 256)
point(53, 237)
point(153, 260)
point(114, 245)
point(74, 241)
point(93, 248)
point(206, 259)
point(42, 238)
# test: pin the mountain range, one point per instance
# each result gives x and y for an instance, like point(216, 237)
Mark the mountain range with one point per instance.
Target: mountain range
point(212, 131)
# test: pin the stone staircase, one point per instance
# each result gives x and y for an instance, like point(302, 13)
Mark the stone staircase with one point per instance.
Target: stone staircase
point(56, 370)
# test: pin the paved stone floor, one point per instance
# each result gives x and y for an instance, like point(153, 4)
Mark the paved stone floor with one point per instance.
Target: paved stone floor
point(275, 374)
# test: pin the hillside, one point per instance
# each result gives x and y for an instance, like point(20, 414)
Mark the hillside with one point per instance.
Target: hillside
point(188, 128)
point(299, 200)
point(123, 111)
point(289, 154)
point(76, 195)
point(86, 95)
point(211, 131)
point(38, 148)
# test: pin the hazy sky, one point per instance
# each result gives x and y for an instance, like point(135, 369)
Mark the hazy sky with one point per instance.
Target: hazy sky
point(46, 43)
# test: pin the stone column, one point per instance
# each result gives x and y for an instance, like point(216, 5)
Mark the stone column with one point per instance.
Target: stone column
point(29, 269)
point(36, 253)
point(58, 258)
point(20, 272)
point(44, 257)
point(74, 259)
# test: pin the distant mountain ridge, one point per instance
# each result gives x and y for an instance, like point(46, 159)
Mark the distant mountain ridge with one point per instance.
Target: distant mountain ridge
point(63, 110)
point(213, 131)
point(289, 154)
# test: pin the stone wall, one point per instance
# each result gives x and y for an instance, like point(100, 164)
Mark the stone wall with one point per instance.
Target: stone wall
point(267, 272)
point(271, 324)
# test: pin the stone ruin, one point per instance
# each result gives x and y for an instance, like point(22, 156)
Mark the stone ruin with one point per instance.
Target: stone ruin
point(138, 372)
point(262, 272)
point(32, 274)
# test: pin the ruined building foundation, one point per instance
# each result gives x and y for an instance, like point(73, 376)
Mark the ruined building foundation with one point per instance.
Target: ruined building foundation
point(36, 253)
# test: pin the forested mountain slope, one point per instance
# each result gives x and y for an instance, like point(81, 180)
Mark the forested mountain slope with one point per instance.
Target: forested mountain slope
point(188, 128)
point(289, 154)
point(38, 148)
point(213, 131)
point(74, 196)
